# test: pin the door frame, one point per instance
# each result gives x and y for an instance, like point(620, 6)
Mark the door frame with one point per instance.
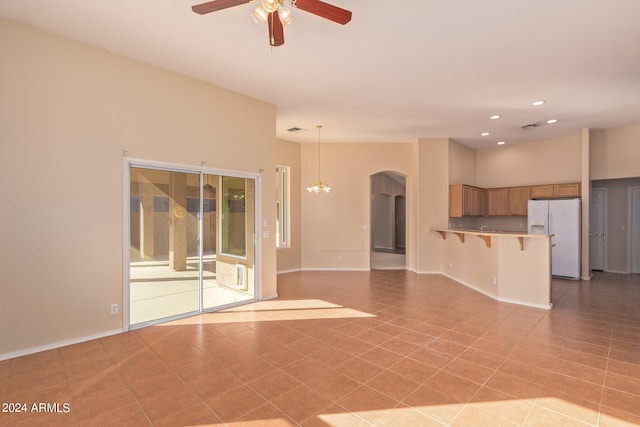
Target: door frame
point(630, 191)
point(605, 259)
point(128, 163)
point(392, 198)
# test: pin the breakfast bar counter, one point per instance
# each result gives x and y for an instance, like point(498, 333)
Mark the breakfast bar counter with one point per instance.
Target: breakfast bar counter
point(507, 266)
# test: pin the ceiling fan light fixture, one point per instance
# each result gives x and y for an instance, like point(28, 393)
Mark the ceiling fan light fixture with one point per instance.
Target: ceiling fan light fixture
point(260, 15)
point(270, 6)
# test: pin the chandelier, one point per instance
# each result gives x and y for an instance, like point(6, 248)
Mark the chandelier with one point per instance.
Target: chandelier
point(319, 185)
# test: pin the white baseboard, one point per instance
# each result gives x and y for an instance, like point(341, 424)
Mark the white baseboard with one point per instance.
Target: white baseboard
point(528, 304)
point(495, 297)
point(335, 269)
point(288, 271)
point(59, 344)
point(617, 271)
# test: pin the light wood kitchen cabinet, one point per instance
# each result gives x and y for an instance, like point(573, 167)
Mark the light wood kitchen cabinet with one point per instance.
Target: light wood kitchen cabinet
point(519, 200)
point(555, 190)
point(498, 200)
point(466, 200)
point(566, 190)
point(541, 191)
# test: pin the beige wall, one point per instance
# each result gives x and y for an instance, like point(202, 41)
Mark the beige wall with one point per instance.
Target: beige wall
point(67, 113)
point(462, 164)
point(288, 154)
point(335, 226)
point(615, 153)
point(541, 162)
point(432, 201)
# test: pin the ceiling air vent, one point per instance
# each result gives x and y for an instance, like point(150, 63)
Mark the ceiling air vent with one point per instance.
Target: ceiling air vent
point(529, 126)
point(295, 129)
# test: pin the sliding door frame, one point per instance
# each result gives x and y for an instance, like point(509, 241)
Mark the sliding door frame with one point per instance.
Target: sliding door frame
point(128, 163)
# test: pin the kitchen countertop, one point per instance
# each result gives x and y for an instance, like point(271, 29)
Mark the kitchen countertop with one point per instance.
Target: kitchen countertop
point(488, 232)
point(488, 235)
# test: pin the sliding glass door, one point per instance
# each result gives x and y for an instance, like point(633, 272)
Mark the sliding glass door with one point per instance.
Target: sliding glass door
point(228, 243)
point(171, 274)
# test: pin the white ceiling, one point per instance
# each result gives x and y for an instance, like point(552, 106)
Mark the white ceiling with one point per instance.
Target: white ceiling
point(398, 71)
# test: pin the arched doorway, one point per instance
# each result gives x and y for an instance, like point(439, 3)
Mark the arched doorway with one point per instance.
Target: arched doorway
point(388, 221)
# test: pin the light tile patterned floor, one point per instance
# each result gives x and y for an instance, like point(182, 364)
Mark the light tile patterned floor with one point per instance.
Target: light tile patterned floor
point(384, 348)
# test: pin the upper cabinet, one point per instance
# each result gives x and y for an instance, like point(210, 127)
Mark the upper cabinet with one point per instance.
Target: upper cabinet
point(519, 200)
point(498, 201)
point(555, 190)
point(566, 190)
point(541, 191)
point(466, 200)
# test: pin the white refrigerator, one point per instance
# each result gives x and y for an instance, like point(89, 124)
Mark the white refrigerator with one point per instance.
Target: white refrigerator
point(562, 219)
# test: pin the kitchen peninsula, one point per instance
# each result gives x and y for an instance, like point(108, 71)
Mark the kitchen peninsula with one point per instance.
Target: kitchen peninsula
point(507, 266)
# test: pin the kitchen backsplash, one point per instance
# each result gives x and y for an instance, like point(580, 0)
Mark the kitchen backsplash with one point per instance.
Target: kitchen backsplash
point(501, 223)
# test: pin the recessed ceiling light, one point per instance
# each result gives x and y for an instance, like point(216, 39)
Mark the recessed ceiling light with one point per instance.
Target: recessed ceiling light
point(484, 134)
point(536, 103)
point(552, 121)
point(501, 143)
point(495, 116)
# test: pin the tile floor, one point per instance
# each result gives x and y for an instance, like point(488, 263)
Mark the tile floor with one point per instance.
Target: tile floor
point(384, 348)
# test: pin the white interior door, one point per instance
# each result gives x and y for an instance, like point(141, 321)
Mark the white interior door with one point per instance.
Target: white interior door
point(635, 229)
point(598, 201)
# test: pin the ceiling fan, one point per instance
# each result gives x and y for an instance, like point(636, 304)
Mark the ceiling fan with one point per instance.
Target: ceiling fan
point(277, 15)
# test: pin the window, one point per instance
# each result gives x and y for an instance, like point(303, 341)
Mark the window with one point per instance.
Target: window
point(282, 207)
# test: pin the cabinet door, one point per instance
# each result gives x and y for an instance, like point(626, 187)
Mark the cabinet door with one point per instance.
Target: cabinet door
point(497, 201)
point(467, 201)
point(479, 196)
point(455, 200)
point(566, 190)
point(542, 191)
point(519, 200)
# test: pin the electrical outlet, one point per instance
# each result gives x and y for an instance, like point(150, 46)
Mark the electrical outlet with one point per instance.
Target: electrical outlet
point(339, 258)
point(114, 308)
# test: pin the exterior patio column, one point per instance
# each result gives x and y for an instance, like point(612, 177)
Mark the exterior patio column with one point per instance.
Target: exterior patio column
point(178, 221)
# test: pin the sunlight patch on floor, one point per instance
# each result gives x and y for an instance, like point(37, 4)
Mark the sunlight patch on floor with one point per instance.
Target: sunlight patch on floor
point(276, 311)
point(515, 412)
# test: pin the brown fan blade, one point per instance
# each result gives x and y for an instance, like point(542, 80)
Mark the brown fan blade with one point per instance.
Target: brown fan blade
point(215, 5)
point(276, 30)
point(324, 10)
